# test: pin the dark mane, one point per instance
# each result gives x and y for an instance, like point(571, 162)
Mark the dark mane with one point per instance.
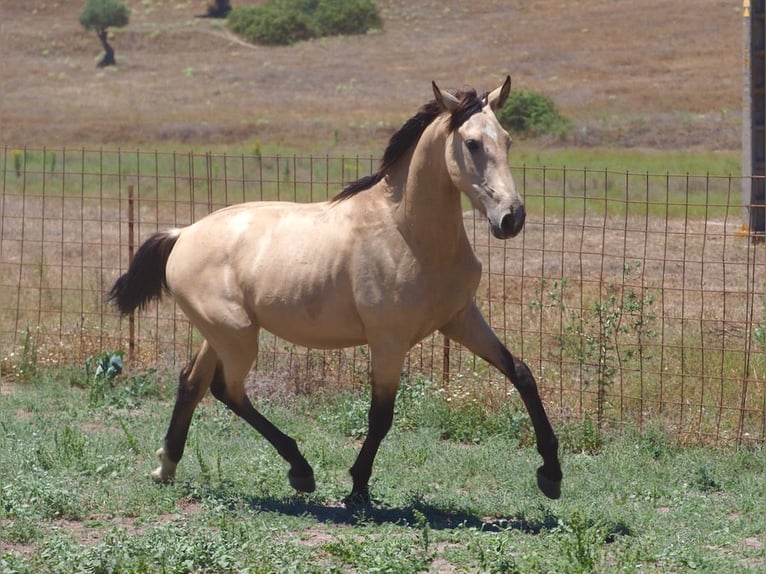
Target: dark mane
point(409, 134)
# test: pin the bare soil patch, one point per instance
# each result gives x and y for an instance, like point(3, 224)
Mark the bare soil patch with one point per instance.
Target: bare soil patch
point(656, 73)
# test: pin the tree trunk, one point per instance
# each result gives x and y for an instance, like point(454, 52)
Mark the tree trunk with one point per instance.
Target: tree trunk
point(218, 9)
point(108, 59)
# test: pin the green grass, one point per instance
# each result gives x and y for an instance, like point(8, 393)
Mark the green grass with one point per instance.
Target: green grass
point(628, 183)
point(554, 181)
point(75, 495)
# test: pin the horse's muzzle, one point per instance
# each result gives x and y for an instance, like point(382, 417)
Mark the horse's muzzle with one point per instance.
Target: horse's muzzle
point(511, 224)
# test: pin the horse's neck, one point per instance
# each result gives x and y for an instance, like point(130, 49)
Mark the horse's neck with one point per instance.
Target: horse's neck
point(428, 212)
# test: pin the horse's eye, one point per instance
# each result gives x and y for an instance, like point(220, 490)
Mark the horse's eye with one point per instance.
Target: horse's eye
point(472, 145)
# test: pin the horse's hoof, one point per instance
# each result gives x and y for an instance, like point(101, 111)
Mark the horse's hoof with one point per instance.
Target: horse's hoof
point(165, 473)
point(357, 501)
point(159, 477)
point(302, 483)
point(549, 487)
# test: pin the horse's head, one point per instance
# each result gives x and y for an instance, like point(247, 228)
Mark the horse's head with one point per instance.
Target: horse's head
point(477, 158)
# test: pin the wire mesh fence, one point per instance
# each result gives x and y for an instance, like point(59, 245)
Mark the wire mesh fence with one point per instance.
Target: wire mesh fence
point(635, 297)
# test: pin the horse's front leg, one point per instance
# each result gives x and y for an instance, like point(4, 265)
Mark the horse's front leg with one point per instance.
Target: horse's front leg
point(386, 369)
point(471, 330)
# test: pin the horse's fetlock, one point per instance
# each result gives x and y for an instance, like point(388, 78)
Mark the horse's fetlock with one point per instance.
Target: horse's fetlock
point(548, 447)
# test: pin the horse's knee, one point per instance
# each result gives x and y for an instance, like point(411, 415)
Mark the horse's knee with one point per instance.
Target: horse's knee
point(524, 376)
point(517, 371)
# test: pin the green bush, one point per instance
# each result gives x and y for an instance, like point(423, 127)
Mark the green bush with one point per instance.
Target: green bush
point(530, 114)
point(276, 22)
point(281, 22)
point(345, 17)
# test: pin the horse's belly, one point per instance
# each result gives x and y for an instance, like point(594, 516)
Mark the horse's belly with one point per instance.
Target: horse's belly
point(309, 327)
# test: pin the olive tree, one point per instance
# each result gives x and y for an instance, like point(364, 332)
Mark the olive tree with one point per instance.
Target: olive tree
point(100, 15)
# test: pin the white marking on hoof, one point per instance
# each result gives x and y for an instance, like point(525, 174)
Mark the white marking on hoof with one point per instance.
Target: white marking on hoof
point(166, 472)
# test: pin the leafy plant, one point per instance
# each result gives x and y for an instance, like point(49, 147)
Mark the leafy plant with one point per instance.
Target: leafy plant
point(105, 365)
point(580, 437)
point(347, 412)
point(582, 543)
point(530, 114)
point(613, 330)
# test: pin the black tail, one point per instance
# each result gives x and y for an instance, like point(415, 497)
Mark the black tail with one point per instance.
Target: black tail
point(145, 278)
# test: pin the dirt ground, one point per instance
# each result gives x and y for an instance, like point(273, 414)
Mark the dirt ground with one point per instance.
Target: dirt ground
point(663, 74)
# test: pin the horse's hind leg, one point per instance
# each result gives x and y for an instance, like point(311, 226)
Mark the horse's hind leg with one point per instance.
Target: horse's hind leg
point(194, 381)
point(228, 387)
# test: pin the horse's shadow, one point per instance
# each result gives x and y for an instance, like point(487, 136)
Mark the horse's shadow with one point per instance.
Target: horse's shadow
point(417, 514)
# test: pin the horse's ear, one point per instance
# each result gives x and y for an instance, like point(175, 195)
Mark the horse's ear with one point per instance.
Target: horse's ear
point(446, 100)
point(498, 96)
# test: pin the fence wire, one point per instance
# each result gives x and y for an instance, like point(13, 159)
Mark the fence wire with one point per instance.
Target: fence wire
point(636, 298)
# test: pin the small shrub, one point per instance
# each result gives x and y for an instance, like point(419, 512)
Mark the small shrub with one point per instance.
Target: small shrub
point(582, 542)
point(581, 437)
point(274, 23)
point(345, 18)
point(281, 22)
point(529, 114)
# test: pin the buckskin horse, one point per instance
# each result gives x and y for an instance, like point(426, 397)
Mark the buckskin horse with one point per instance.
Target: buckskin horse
point(385, 263)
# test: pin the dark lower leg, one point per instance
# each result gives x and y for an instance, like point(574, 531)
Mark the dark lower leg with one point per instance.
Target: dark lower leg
point(549, 475)
point(301, 475)
point(380, 416)
point(192, 385)
point(187, 400)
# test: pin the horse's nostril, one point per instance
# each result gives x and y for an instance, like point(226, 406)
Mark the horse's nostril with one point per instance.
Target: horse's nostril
point(513, 221)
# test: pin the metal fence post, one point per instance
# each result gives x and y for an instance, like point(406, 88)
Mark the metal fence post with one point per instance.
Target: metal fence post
point(131, 251)
point(754, 116)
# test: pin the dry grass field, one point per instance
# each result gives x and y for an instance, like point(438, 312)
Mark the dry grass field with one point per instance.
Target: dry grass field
point(663, 74)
